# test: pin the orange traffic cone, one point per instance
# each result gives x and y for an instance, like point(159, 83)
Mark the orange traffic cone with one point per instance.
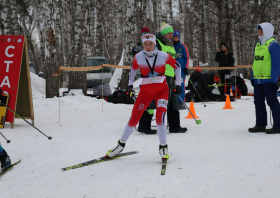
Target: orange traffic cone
point(191, 110)
point(227, 104)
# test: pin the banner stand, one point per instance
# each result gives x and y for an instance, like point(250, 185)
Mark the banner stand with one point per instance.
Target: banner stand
point(25, 107)
point(15, 77)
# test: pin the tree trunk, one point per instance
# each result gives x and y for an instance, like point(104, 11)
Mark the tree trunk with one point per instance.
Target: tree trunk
point(77, 80)
point(182, 11)
point(51, 66)
point(128, 41)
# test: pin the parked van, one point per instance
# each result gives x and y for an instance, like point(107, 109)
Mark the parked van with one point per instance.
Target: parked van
point(94, 78)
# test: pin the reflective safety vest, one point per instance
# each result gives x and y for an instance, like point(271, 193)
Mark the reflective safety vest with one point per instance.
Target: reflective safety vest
point(262, 61)
point(171, 51)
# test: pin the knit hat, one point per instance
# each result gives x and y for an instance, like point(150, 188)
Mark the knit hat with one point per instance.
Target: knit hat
point(145, 30)
point(223, 43)
point(165, 28)
point(177, 33)
point(149, 37)
point(198, 70)
point(259, 27)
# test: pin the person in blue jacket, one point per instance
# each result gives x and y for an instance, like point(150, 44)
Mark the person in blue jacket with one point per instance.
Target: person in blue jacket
point(264, 78)
point(182, 56)
point(4, 158)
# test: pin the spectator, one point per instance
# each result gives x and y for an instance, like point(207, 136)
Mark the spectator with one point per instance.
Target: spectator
point(225, 59)
point(264, 78)
point(182, 56)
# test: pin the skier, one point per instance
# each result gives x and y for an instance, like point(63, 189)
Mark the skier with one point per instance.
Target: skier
point(265, 73)
point(144, 124)
point(4, 158)
point(225, 59)
point(182, 56)
point(152, 63)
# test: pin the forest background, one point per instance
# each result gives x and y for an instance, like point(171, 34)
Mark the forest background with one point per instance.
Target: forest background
point(65, 32)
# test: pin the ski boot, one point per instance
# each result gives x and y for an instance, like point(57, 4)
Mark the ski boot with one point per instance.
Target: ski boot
point(163, 151)
point(5, 160)
point(116, 150)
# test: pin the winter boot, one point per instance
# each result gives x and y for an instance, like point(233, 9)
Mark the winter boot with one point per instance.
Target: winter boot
point(257, 129)
point(5, 160)
point(272, 131)
point(116, 150)
point(178, 130)
point(163, 151)
point(147, 131)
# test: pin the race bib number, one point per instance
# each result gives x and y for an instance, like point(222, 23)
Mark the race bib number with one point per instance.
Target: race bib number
point(162, 103)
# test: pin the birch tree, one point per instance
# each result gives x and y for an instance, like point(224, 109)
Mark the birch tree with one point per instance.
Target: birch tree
point(128, 40)
point(77, 80)
point(51, 66)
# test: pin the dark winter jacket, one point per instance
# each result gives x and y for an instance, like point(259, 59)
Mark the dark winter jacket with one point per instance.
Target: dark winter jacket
point(198, 80)
point(241, 85)
point(209, 77)
point(225, 60)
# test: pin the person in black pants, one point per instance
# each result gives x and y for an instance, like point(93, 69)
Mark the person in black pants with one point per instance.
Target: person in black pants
point(225, 59)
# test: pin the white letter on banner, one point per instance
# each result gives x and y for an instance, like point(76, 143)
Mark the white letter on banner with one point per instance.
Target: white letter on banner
point(6, 51)
point(6, 82)
point(8, 64)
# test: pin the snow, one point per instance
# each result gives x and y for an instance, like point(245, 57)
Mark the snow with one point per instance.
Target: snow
point(38, 86)
point(216, 159)
point(249, 86)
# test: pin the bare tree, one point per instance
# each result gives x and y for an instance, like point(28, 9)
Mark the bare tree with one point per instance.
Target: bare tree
point(129, 6)
point(77, 80)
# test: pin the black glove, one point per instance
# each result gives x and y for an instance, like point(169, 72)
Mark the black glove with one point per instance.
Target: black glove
point(253, 83)
point(186, 71)
point(177, 90)
point(129, 91)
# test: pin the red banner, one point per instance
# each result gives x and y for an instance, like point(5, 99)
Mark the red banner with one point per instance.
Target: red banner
point(11, 50)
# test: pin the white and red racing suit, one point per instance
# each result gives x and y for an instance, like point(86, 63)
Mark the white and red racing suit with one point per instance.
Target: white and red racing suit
point(153, 87)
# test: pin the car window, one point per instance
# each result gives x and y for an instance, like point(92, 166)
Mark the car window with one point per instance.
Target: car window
point(98, 62)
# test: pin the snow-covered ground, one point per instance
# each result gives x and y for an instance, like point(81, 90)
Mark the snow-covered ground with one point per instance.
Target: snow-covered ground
point(217, 159)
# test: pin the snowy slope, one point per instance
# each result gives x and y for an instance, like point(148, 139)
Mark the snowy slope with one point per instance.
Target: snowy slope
point(216, 159)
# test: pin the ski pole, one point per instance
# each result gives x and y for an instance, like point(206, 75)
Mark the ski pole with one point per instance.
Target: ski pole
point(196, 91)
point(219, 85)
point(8, 141)
point(49, 137)
point(197, 121)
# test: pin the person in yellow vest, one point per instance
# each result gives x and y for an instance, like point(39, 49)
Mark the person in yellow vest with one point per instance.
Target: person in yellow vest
point(165, 44)
point(265, 73)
